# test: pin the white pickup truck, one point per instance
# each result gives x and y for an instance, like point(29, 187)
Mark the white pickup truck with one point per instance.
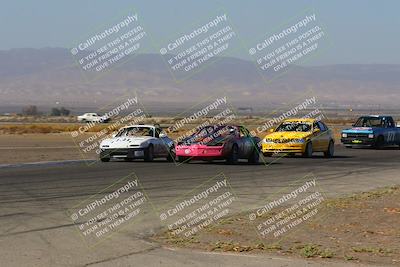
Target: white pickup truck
point(93, 117)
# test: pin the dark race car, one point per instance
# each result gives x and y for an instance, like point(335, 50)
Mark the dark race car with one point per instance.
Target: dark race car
point(216, 142)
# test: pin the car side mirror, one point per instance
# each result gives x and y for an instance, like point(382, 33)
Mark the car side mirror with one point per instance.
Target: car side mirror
point(317, 130)
point(271, 130)
point(162, 135)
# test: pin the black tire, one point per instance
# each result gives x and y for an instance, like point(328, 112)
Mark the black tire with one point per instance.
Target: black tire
point(149, 154)
point(379, 143)
point(183, 159)
point(308, 151)
point(233, 157)
point(331, 150)
point(254, 156)
point(105, 159)
point(171, 155)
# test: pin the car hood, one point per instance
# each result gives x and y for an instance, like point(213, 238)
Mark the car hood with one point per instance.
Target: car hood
point(125, 142)
point(204, 141)
point(366, 130)
point(288, 135)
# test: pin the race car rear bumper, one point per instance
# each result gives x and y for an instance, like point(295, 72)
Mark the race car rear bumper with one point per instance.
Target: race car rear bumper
point(199, 151)
point(130, 153)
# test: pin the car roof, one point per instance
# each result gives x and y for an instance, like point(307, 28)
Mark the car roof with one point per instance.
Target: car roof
point(222, 125)
point(376, 116)
point(139, 126)
point(309, 120)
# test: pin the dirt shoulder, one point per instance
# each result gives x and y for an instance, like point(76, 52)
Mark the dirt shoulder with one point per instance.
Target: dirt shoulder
point(22, 148)
point(360, 228)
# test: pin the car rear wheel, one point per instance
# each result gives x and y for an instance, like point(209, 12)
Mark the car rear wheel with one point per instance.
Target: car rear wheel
point(308, 151)
point(331, 150)
point(149, 154)
point(254, 156)
point(234, 155)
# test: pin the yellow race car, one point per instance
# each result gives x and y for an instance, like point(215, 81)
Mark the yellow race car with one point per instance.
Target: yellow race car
point(304, 136)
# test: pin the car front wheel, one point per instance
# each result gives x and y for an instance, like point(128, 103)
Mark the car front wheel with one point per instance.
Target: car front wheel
point(331, 150)
point(149, 154)
point(308, 151)
point(233, 156)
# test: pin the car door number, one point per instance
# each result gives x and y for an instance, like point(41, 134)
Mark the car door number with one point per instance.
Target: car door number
point(391, 137)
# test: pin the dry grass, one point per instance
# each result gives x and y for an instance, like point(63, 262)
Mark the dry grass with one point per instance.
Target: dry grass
point(45, 127)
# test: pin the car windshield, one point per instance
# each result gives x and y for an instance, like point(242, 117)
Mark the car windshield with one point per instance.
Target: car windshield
point(212, 133)
point(369, 122)
point(136, 131)
point(294, 127)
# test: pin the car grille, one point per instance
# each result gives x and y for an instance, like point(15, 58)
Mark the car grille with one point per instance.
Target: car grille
point(356, 135)
point(282, 141)
point(118, 151)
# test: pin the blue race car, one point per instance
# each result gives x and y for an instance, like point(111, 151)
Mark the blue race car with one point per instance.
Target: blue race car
point(375, 131)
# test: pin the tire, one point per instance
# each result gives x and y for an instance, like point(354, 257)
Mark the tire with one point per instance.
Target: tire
point(183, 159)
point(171, 155)
point(308, 151)
point(254, 156)
point(105, 159)
point(233, 156)
point(331, 150)
point(149, 154)
point(379, 143)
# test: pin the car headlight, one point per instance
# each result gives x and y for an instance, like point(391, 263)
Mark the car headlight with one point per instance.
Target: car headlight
point(371, 136)
point(268, 141)
point(298, 141)
point(344, 135)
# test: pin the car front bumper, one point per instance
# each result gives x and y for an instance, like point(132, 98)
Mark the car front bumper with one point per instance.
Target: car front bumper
point(130, 153)
point(282, 148)
point(357, 141)
point(200, 151)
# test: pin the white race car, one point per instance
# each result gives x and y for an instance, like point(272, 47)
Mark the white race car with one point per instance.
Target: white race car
point(92, 117)
point(138, 142)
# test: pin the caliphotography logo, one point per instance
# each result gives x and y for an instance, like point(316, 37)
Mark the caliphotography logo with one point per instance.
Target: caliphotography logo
point(193, 49)
point(110, 45)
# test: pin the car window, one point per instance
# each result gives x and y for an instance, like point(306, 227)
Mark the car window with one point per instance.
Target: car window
point(369, 122)
point(316, 126)
point(244, 132)
point(157, 133)
point(322, 126)
point(293, 127)
point(389, 123)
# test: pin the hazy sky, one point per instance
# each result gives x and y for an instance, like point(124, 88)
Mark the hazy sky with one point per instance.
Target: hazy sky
point(360, 31)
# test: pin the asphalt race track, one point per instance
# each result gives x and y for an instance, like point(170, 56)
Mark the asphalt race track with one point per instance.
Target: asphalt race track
point(35, 229)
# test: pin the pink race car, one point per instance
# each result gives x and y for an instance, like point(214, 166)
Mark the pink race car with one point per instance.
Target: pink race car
point(215, 142)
